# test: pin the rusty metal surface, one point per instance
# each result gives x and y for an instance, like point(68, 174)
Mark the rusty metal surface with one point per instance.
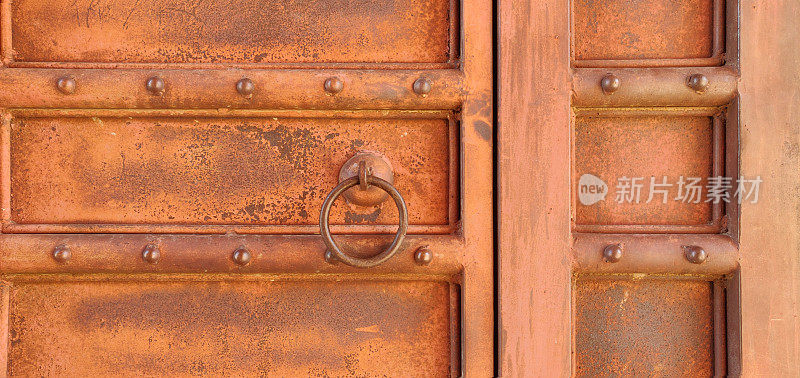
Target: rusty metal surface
point(334, 252)
point(720, 328)
point(477, 133)
point(216, 89)
point(654, 254)
point(396, 69)
point(217, 171)
point(652, 331)
point(233, 31)
point(286, 254)
point(769, 281)
point(614, 147)
point(647, 29)
point(276, 327)
point(533, 189)
point(654, 87)
point(660, 327)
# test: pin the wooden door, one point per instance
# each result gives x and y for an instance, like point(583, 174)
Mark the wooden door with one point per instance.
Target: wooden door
point(166, 169)
point(598, 98)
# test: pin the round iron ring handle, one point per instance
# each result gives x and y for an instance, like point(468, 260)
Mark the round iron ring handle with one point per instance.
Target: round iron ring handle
point(325, 229)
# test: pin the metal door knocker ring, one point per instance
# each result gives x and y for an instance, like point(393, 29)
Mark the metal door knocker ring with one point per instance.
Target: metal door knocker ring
point(365, 179)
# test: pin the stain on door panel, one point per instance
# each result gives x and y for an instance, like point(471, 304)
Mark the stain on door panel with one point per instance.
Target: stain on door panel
point(649, 29)
point(233, 328)
point(232, 31)
point(633, 156)
point(643, 327)
point(218, 171)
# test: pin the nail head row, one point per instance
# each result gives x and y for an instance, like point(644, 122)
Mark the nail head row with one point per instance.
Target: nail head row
point(156, 86)
point(151, 254)
point(610, 83)
point(694, 254)
point(422, 256)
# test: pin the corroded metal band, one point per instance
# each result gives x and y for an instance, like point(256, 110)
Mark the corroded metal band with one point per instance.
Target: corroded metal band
point(325, 228)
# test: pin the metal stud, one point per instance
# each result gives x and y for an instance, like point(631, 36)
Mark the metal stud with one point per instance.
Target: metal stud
point(156, 86)
point(333, 85)
point(245, 87)
point(609, 84)
point(151, 254)
point(423, 256)
point(330, 258)
point(241, 256)
point(62, 253)
point(66, 85)
point(695, 254)
point(612, 253)
point(422, 86)
point(698, 83)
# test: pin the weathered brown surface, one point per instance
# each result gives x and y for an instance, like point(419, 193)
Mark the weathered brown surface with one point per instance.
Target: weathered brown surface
point(646, 29)
point(377, 51)
point(218, 171)
point(209, 254)
point(770, 148)
point(661, 86)
point(655, 254)
point(533, 153)
point(643, 328)
point(216, 89)
point(233, 328)
point(231, 31)
point(643, 147)
point(477, 192)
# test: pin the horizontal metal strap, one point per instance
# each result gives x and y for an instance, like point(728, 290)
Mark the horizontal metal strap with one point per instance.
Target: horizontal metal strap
point(648, 87)
point(216, 88)
point(273, 254)
point(655, 254)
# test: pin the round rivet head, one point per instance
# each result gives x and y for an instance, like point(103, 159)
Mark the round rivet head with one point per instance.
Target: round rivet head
point(695, 254)
point(245, 87)
point(241, 256)
point(151, 253)
point(609, 84)
point(612, 253)
point(422, 86)
point(155, 85)
point(66, 85)
point(423, 256)
point(333, 85)
point(698, 83)
point(330, 258)
point(62, 253)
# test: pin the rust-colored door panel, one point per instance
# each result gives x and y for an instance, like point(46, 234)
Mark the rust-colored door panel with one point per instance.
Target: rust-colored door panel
point(276, 328)
point(196, 188)
point(643, 159)
point(603, 92)
point(648, 33)
point(644, 327)
point(233, 31)
point(269, 173)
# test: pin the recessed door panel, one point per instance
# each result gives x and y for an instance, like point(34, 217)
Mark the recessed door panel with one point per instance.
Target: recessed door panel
point(232, 31)
point(232, 328)
point(643, 327)
point(617, 30)
point(655, 170)
point(259, 171)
